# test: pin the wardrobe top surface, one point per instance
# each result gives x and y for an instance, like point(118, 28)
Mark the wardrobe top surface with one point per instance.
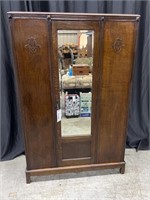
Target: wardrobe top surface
point(69, 14)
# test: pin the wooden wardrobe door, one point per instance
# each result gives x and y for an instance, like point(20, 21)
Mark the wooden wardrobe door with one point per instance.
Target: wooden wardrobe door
point(32, 52)
point(114, 89)
point(76, 150)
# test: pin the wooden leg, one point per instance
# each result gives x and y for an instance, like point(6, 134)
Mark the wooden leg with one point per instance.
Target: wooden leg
point(28, 180)
point(122, 169)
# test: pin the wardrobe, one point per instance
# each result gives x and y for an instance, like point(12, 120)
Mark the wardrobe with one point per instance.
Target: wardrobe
point(55, 143)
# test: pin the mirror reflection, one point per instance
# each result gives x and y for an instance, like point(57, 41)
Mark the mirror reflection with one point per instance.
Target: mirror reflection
point(75, 59)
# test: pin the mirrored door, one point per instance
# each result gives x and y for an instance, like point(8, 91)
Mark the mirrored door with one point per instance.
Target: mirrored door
point(75, 61)
point(76, 49)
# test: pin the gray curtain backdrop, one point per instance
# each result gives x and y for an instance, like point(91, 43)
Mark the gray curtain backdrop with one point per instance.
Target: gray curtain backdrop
point(12, 143)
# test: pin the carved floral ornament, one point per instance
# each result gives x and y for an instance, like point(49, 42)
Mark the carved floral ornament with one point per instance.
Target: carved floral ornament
point(32, 46)
point(118, 45)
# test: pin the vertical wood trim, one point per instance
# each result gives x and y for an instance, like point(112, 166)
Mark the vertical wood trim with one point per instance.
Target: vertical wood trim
point(56, 93)
point(98, 86)
point(136, 28)
point(15, 64)
point(50, 36)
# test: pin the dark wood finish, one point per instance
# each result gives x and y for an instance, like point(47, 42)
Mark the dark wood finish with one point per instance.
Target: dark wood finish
point(79, 168)
point(76, 161)
point(117, 62)
point(32, 51)
point(122, 169)
point(78, 147)
point(76, 139)
point(28, 180)
point(76, 150)
point(67, 25)
point(54, 16)
point(34, 37)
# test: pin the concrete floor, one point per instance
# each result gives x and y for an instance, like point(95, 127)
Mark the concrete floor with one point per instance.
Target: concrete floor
point(80, 126)
point(96, 185)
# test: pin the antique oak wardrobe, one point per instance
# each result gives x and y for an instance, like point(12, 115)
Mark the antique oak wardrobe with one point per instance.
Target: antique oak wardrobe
point(54, 142)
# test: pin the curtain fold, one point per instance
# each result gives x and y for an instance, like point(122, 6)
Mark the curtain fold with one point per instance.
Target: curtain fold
point(137, 132)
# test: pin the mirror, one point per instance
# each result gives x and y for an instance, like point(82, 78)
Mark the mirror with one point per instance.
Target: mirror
point(75, 61)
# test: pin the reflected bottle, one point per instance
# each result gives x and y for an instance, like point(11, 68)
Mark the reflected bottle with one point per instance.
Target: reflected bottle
point(70, 71)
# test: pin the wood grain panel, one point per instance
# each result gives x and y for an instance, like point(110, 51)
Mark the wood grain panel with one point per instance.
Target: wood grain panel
point(31, 49)
point(76, 161)
point(76, 150)
point(117, 63)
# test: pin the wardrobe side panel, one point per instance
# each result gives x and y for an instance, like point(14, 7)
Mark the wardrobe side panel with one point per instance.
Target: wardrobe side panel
point(32, 54)
point(117, 65)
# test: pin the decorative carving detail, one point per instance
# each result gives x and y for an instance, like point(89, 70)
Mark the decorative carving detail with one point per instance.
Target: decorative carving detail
point(32, 46)
point(118, 45)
